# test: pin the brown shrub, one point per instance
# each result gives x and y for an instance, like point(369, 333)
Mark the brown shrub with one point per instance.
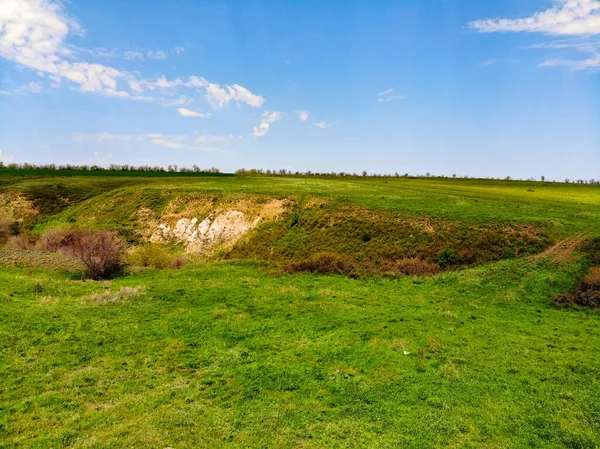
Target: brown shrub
point(54, 240)
point(21, 242)
point(412, 266)
point(100, 251)
point(178, 262)
point(587, 293)
point(325, 263)
point(591, 281)
point(5, 229)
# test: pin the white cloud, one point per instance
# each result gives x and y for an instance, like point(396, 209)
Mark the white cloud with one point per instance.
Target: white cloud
point(195, 81)
point(303, 115)
point(219, 96)
point(570, 17)
point(385, 93)
point(184, 112)
point(179, 50)
point(33, 34)
point(322, 125)
point(487, 63)
point(265, 123)
point(580, 18)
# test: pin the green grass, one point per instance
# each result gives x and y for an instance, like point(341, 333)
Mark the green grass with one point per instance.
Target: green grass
point(236, 354)
point(223, 355)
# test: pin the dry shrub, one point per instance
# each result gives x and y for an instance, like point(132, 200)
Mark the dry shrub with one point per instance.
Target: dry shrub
point(178, 262)
point(325, 263)
point(412, 266)
point(21, 242)
point(587, 292)
point(54, 240)
point(592, 279)
point(100, 251)
point(5, 229)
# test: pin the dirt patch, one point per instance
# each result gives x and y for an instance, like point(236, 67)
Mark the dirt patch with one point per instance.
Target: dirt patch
point(563, 250)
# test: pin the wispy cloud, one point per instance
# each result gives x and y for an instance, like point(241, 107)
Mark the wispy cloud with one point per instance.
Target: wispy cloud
point(388, 95)
point(584, 64)
point(578, 18)
point(322, 125)
point(169, 141)
point(184, 112)
point(29, 88)
point(586, 46)
point(129, 54)
point(265, 123)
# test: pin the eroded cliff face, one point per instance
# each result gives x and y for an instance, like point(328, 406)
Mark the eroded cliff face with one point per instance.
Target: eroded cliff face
point(221, 228)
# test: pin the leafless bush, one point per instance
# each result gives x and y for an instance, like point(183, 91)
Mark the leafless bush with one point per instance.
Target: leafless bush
point(414, 266)
point(325, 263)
point(100, 251)
point(54, 240)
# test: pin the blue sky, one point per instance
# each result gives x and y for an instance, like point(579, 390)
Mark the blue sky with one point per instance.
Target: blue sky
point(478, 88)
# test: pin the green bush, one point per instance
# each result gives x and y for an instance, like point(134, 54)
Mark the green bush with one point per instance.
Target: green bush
point(151, 255)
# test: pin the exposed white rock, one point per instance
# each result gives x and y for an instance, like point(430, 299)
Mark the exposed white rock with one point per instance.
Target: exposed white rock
point(203, 237)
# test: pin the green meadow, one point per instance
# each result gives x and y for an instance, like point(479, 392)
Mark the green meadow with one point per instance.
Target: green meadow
point(238, 350)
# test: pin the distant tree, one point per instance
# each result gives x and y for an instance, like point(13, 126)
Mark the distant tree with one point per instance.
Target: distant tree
point(543, 178)
point(364, 173)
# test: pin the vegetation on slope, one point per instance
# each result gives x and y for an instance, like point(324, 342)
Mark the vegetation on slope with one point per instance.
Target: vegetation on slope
point(227, 354)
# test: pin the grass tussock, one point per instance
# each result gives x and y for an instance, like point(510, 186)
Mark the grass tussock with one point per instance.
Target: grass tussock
point(124, 294)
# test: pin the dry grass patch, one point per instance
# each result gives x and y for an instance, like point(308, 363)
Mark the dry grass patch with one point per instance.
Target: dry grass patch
point(412, 266)
point(325, 263)
point(124, 294)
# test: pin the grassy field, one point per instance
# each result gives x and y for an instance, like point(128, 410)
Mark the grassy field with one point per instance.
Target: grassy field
point(235, 353)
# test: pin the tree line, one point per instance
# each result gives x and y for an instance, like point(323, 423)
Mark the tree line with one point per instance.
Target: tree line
point(253, 172)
